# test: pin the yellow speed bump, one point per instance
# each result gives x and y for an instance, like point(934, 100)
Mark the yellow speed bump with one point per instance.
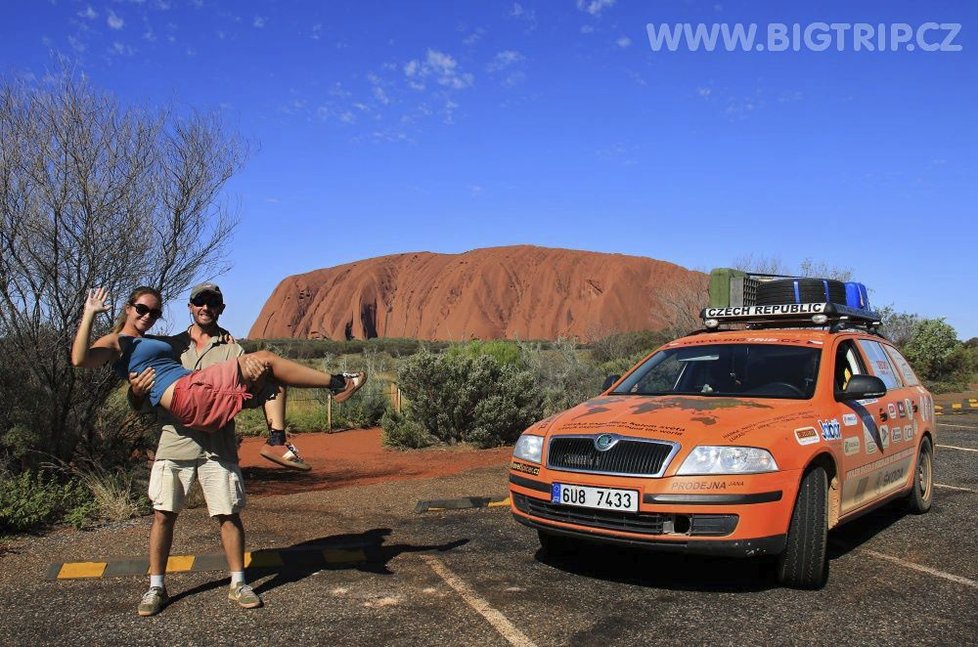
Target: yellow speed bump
point(76, 570)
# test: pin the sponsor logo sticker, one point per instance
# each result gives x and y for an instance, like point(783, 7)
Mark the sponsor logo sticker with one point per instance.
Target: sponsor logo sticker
point(532, 470)
point(909, 405)
point(703, 485)
point(909, 431)
point(885, 435)
point(897, 434)
point(851, 445)
point(902, 409)
point(830, 429)
point(869, 441)
point(849, 419)
point(806, 436)
point(891, 408)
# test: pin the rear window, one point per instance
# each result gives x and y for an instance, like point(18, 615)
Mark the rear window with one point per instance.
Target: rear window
point(902, 365)
point(740, 370)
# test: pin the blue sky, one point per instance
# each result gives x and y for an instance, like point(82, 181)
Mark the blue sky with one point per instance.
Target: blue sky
point(381, 128)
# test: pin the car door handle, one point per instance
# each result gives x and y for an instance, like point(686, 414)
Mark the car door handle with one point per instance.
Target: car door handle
point(915, 407)
point(883, 415)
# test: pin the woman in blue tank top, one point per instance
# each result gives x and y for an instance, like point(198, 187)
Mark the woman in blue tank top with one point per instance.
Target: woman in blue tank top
point(207, 399)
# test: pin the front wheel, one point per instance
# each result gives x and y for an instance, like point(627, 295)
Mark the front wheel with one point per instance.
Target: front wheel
point(922, 494)
point(803, 564)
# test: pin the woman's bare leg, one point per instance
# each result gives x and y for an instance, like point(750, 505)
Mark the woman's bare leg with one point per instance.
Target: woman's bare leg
point(275, 409)
point(289, 373)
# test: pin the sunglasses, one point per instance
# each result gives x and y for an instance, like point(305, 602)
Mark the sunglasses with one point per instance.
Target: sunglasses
point(202, 300)
point(143, 310)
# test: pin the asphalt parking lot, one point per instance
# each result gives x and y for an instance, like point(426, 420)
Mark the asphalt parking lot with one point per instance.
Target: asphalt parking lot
point(477, 577)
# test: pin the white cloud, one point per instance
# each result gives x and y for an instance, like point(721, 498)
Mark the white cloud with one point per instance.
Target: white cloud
point(121, 49)
point(504, 59)
point(88, 13)
point(517, 10)
point(258, 22)
point(594, 7)
point(623, 42)
point(114, 21)
point(317, 31)
point(438, 66)
point(381, 95)
point(506, 66)
point(704, 92)
point(587, 29)
point(76, 44)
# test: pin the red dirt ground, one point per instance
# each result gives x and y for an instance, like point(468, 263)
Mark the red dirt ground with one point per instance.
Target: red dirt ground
point(356, 457)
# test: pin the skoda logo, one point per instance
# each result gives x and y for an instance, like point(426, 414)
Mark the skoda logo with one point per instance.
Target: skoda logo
point(604, 442)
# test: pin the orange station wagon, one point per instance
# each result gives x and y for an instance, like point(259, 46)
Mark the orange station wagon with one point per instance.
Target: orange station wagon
point(745, 442)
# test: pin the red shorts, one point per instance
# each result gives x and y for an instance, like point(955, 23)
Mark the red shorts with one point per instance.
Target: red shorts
point(209, 399)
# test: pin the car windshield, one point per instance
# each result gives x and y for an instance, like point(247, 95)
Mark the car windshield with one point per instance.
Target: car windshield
point(740, 370)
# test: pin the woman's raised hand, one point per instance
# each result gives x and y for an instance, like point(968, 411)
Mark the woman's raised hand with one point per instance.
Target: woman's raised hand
point(96, 301)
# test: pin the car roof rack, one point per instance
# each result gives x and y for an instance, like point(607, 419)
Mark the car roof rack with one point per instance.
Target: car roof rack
point(833, 315)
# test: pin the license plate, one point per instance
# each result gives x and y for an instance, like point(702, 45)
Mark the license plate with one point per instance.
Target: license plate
point(594, 497)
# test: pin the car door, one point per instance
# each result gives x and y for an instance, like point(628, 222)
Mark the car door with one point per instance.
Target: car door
point(858, 423)
point(894, 415)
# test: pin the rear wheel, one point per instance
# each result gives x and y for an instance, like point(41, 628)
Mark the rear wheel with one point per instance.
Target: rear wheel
point(803, 563)
point(922, 494)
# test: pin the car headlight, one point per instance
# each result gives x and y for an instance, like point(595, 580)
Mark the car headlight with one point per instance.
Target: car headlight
point(708, 459)
point(529, 448)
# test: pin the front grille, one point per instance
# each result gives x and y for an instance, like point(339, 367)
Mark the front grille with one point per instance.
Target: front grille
point(627, 457)
point(645, 523)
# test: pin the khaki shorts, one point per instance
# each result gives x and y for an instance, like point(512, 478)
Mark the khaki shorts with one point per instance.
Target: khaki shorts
point(221, 482)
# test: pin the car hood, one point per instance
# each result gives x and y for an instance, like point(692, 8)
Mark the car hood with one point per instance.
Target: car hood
point(677, 418)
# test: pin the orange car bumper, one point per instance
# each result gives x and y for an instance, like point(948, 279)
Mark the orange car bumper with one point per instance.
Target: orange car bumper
point(738, 516)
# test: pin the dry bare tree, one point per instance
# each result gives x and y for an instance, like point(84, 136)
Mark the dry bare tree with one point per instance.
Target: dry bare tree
point(93, 193)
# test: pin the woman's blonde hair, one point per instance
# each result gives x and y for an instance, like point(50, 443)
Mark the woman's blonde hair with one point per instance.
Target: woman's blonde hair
point(120, 321)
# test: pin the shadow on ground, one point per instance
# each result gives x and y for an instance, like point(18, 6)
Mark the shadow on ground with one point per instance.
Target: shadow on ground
point(366, 552)
point(681, 572)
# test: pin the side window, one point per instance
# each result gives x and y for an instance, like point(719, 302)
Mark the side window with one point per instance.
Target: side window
point(902, 365)
point(847, 364)
point(879, 363)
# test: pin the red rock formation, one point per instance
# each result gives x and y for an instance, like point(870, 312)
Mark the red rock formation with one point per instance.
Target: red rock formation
point(519, 292)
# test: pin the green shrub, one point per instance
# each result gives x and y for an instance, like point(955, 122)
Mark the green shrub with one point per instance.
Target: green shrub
point(459, 398)
point(562, 376)
point(401, 432)
point(627, 345)
point(506, 353)
point(31, 501)
point(365, 409)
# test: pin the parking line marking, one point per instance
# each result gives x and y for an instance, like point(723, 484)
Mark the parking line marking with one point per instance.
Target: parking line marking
point(923, 569)
point(954, 487)
point(968, 427)
point(498, 621)
point(963, 449)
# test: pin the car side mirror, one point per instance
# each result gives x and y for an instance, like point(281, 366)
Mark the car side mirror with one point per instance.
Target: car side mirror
point(863, 386)
point(608, 381)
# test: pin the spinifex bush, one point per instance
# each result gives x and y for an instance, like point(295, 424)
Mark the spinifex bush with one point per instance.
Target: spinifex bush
point(457, 397)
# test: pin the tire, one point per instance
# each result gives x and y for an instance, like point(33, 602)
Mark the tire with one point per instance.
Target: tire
point(809, 291)
point(557, 546)
point(803, 564)
point(922, 495)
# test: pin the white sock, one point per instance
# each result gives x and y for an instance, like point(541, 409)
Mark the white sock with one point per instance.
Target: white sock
point(237, 577)
point(156, 580)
